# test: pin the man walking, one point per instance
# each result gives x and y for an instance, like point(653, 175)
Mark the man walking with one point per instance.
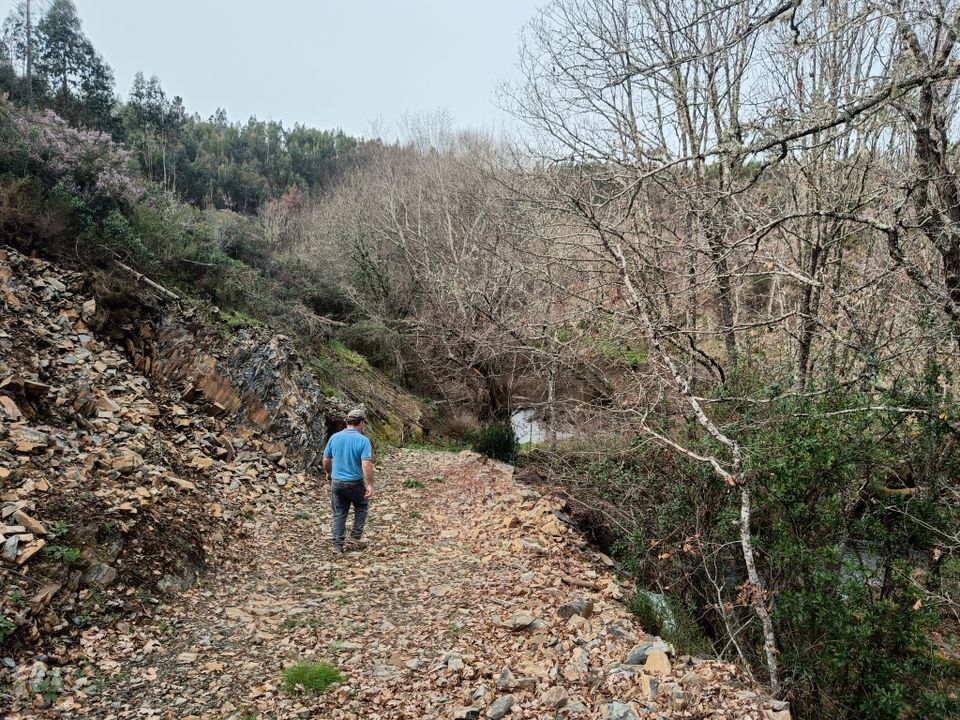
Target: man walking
point(348, 464)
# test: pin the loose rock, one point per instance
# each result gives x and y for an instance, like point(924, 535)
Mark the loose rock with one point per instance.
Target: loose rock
point(500, 707)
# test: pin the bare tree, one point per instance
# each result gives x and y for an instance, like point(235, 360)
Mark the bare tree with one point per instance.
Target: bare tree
point(733, 171)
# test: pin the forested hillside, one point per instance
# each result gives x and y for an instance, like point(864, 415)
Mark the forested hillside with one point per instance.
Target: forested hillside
point(719, 267)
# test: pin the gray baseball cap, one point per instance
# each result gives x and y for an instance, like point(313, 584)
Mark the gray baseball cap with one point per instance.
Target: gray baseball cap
point(357, 414)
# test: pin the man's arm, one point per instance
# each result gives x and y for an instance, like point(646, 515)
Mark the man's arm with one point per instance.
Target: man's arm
point(368, 477)
point(327, 462)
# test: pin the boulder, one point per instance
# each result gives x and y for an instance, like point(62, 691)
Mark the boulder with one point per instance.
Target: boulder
point(27, 441)
point(10, 548)
point(638, 655)
point(578, 666)
point(99, 574)
point(29, 523)
point(520, 621)
point(657, 662)
point(648, 686)
point(691, 679)
point(777, 711)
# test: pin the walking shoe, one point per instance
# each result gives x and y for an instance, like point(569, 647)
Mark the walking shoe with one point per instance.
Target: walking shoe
point(337, 552)
point(357, 543)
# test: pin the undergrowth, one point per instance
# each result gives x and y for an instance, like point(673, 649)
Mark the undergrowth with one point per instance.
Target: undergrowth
point(675, 624)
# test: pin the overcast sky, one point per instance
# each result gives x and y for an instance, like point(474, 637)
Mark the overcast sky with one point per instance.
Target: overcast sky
point(325, 63)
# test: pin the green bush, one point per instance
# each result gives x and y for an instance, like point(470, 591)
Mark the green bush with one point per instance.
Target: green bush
point(119, 235)
point(641, 606)
point(857, 640)
point(871, 655)
point(311, 677)
point(856, 635)
point(495, 440)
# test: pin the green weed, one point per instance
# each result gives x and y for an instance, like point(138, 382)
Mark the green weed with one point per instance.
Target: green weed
point(7, 627)
point(349, 356)
point(310, 677)
point(61, 553)
point(454, 632)
point(58, 528)
point(294, 623)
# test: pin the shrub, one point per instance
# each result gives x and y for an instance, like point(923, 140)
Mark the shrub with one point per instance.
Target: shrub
point(350, 357)
point(311, 677)
point(119, 235)
point(495, 440)
point(85, 162)
point(674, 622)
point(21, 203)
point(857, 639)
point(458, 423)
point(383, 345)
point(640, 605)
point(855, 632)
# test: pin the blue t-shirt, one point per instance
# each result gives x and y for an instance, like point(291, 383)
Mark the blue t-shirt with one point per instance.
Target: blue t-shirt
point(348, 448)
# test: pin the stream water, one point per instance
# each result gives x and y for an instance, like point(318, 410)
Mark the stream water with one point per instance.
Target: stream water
point(531, 429)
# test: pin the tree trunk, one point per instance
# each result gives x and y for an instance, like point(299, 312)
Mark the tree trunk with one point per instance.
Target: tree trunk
point(735, 477)
point(809, 302)
point(758, 593)
point(719, 258)
point(551, 409)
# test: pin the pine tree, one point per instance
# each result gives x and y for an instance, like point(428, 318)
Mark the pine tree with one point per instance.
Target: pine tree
point(81, 81)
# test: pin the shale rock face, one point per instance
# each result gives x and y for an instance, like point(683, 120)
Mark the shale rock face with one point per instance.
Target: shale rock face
point(262, 379)
point(271, 373)
point(256, 375)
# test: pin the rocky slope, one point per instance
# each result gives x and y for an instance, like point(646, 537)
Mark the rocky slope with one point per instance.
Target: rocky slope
point(116, 484)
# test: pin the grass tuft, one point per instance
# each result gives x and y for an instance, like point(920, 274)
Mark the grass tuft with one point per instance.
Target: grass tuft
point(310, 677)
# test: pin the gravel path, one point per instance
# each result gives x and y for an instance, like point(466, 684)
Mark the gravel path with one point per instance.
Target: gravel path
point(455, 604)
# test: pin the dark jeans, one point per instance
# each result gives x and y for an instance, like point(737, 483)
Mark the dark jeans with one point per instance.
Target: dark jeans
point(343, 495)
